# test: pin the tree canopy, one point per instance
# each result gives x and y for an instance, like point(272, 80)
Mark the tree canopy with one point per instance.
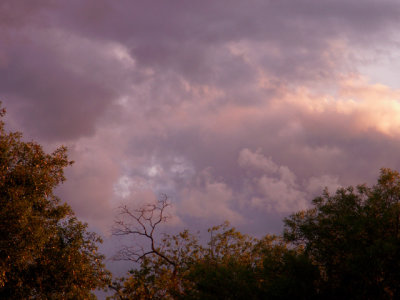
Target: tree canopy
point(353, 237)
point(231, 265)
point(346, 246)
point(45, 252)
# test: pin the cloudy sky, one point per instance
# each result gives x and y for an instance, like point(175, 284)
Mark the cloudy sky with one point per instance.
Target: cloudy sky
point(238, 110)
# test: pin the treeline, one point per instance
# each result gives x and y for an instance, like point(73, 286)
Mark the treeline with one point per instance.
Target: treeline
point(346, 246)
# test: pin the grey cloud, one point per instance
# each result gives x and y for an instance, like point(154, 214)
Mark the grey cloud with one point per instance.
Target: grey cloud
point(183, 87)
point(15, 14)
point(188, 40)
point(58, 92)
point(182, 37)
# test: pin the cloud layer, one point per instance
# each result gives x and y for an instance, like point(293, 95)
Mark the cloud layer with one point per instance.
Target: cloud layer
point(236, 110)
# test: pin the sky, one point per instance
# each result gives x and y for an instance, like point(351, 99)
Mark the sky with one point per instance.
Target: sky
point(236, 110)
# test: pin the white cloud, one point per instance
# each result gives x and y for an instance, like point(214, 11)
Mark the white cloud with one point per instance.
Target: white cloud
point(274, 190)
point(123, 187)
point(209, 199)
point(255, 160)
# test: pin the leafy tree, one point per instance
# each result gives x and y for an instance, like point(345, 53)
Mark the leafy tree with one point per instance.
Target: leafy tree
point(347, 246)
point(230, 266)
point(238, 266)
point(162, 264)
point(45, 252)
point(353, 236)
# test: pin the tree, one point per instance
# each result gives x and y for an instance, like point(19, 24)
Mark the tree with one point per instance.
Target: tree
point(238, 266)
point(353, 237)
point(162, 262)
point(45, 252)
point(231, 265)
point(347, 246)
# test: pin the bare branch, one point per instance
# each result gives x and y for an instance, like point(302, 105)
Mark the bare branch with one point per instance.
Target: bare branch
point(141, 222)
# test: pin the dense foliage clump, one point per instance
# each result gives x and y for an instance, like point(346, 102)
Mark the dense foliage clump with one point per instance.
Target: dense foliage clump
point(353, 237)
point(45, 252)
point(347, 246)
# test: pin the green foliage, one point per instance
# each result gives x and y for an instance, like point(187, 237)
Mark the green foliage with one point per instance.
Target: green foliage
point(353, 236)
point(347, 246)
point(45, 252)
point(227, 268)
point(162, 277)
point(231, 266)
point(238, 266)
point(289, 274)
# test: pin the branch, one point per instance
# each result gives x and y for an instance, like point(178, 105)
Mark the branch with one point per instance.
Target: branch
point(143, 222)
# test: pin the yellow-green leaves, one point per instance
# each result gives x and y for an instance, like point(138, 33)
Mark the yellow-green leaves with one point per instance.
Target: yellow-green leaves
point(45, 252)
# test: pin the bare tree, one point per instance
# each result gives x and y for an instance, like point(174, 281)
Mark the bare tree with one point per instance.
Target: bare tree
point(164, 256)
point(142, 222)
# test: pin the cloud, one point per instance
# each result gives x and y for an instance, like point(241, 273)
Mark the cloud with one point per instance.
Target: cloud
point(276, 188)
point(316, 185)
point(256, 160)
point(209, 199)
point(233, 109)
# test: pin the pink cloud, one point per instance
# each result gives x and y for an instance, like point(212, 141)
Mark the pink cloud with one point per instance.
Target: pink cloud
point(149, 95)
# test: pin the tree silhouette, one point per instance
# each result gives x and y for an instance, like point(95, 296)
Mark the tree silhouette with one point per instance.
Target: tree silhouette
point(45, 252)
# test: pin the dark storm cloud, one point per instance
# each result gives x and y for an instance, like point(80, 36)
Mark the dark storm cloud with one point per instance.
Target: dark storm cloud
point(56, 102)
point(183, 36)
point(197, 98)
